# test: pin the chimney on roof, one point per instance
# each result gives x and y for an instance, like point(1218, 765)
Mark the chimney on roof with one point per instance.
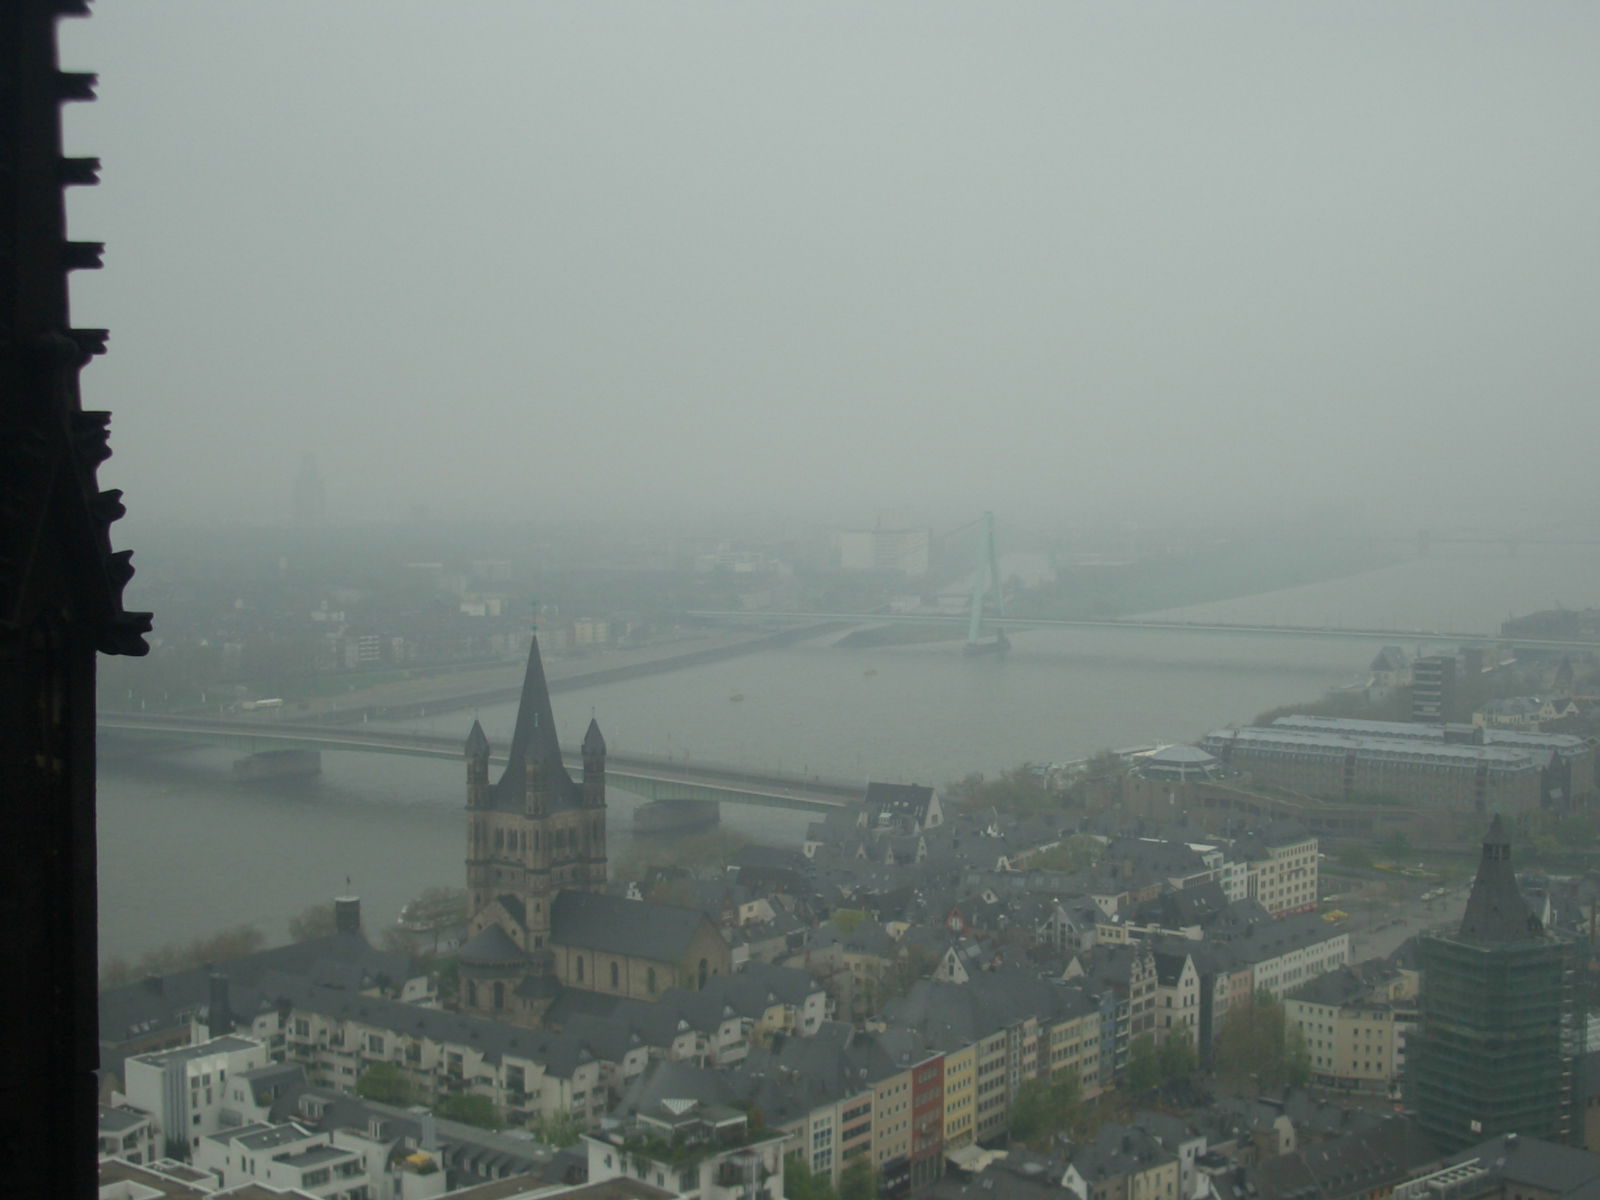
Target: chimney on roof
point(347, 914)
point(219, 1017)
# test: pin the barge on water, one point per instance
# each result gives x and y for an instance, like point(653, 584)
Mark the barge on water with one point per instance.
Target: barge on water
point(271, 765)
point(676, 816)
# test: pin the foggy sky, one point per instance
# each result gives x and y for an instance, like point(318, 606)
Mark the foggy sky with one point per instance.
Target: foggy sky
point(529, 258)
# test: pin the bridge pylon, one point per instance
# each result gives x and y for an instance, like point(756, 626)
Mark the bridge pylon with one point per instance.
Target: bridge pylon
point(986, 585)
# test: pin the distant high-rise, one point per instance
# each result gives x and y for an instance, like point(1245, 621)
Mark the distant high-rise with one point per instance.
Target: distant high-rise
point(310, 496)
point(1433, 688)
point(1499, 1038)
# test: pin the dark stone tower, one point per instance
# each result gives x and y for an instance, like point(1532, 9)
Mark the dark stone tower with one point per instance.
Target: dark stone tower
point(594, 802)
point(60, 602)
point(1500, 1037)
point(530, 836)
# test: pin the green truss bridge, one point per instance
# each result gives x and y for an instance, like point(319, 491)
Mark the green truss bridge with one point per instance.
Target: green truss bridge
point(650, 777)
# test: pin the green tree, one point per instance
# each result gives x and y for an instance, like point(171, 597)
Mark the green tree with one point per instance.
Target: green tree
point(226, 944)
point(1144, 1069)
point(1177, 1056)
point(1257, 1048)
point(1077, 853)
point(313, 922)
point(848, 920)
point(800, 1183)
point(385, 1083)
point(559, 1128)
point(858, 1180)
point(1030, 1112)
point(1018, 792)
point(1045, 1107)
point(470, 1109)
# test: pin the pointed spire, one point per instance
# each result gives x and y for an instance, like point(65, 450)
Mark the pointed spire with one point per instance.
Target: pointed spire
point(534, 740)
point(593, 741)
point(477, 742)
point(1496, 910)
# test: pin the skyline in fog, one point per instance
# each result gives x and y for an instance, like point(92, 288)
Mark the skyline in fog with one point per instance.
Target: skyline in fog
point(628, 260)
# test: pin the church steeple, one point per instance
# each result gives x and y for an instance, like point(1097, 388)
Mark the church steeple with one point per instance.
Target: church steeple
point(594, 767)
point(534, 778)
point(1496, 910)
point(530, 837)
point(477, 755)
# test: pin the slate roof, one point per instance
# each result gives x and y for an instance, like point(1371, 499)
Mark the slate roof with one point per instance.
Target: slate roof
point(560, 1054)
point(121, 1117)
point(909, 800)
point(1117, 1151)
point(665, 1080)
point(1537, 1164)
point(1359, 1164)
point(1496, 911)
point(492, 945)
point(470, 1154)
point(612, 925)
point(534, 740)
point(338, 960)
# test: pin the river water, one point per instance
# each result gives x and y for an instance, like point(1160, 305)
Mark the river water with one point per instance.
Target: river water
point(185, 851)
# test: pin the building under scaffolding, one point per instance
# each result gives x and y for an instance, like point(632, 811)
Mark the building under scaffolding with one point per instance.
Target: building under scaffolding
point(1500, 1036)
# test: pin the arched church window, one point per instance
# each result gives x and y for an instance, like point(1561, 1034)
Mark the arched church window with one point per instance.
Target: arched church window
point(578, 968)
point(499, 996)
point(650, 980)
point(615, 979)
point(704, 968)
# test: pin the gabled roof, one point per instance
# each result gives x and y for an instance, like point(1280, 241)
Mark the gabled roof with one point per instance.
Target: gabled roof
point(908, 799)
point(594, 921)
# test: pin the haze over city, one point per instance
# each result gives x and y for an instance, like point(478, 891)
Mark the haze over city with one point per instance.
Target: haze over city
point(1056, 259)
point(759, 600)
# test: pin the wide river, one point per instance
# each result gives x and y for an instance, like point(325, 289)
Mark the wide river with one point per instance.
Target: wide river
point(185, 851)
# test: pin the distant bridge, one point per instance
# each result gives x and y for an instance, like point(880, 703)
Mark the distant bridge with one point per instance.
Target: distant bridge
point(652, 777)
point(1144, 624)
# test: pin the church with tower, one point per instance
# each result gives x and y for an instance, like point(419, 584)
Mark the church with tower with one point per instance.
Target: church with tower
point(539, 917)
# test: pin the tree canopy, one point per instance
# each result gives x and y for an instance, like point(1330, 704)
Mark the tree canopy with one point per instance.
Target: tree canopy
point(167, 960)
point(1177, 1056)
point(470, 1110)
point(1144, 1068)
point(313, 922)
point(1258, 1049)
point(385, 1083)
point(1046, 1107)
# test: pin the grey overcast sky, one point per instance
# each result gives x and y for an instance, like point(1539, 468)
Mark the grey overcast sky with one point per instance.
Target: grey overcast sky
point(1076, 259)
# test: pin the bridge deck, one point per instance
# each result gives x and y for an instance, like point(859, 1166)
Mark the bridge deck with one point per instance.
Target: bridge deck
point(657, 777)
point(1313, 632)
